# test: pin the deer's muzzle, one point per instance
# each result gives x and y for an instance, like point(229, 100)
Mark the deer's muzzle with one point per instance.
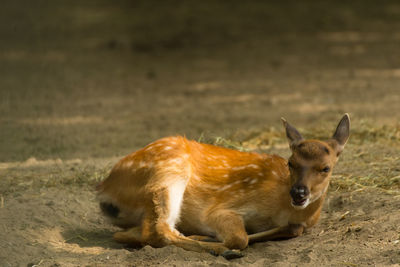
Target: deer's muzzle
point(299, 194)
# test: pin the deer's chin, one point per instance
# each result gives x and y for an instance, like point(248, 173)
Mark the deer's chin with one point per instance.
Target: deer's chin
point(299, 205)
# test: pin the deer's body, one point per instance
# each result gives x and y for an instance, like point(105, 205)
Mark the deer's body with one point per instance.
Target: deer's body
point(175, 186)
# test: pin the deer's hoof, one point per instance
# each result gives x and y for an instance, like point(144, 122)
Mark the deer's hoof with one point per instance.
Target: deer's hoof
point(231, 254)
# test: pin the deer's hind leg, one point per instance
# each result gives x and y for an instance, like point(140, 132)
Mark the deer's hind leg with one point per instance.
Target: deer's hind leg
point(161, 215)
point(132, 236)
point(203, 238)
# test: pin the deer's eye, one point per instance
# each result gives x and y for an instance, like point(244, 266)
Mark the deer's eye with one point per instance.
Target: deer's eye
point(326, 169)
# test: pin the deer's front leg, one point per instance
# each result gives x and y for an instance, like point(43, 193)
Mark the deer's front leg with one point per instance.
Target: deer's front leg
point(229, 227)
point(289, 231)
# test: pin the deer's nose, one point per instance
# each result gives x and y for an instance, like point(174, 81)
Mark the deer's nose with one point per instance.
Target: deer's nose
point(299, 192)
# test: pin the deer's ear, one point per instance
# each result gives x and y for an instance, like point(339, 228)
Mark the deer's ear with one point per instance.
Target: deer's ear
point(293, 136)
point(342, 133)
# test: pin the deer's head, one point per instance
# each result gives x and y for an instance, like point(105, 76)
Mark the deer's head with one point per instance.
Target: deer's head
point(312, 161)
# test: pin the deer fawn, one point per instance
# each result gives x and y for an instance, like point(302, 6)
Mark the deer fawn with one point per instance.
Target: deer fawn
point(184, 193)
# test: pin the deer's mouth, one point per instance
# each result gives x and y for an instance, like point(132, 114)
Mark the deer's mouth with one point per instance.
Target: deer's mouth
point(300, 203)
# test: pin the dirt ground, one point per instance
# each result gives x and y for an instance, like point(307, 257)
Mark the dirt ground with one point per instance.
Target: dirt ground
point(84, 83)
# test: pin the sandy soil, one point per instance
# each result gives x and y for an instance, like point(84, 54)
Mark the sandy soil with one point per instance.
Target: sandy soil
point(83, 84)
point(61, 226)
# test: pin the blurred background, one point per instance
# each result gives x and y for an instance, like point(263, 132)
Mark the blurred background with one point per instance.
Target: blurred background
point(83, 83)
point(96, 79)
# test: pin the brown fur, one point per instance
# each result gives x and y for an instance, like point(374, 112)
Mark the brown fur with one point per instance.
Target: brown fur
point(175, 186)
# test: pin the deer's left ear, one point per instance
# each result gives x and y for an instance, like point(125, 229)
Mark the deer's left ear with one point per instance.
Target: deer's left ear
point(293, 136)
point(342, 133)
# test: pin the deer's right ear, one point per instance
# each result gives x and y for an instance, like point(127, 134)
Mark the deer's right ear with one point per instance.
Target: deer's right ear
point(293, 136)
point(342, 133)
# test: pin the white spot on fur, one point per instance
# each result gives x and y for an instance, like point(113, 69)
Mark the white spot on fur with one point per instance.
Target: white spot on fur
point(128, 164)
point(166, 148)
point(175, 192)
point(239, 168)
point(214, 157)
point(175, 161)
point(274, 173)
point(260, 174)
point(216, 167)
point(247, 179)
point(152, 146)
point(150, 164)
point(225, 187)
point(253, 181)
point(254, 166)
point(195, 177)
point(225, 164)
point(214, 187)
point(142, 164)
